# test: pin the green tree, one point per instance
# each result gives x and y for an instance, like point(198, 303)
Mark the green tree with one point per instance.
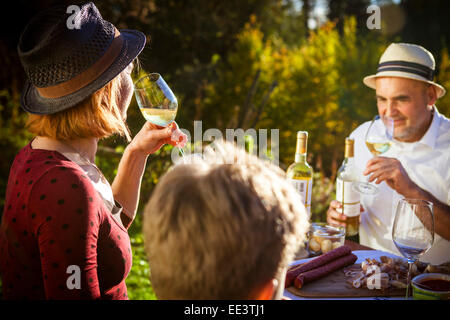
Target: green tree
point(338, 10)
point(427, 24)
point(443, 79)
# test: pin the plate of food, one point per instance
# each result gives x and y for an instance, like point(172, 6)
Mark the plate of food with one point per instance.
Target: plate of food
point(360, 274)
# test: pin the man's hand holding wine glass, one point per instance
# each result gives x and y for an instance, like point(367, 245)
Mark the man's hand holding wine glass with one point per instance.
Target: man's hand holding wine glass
point(392, 172)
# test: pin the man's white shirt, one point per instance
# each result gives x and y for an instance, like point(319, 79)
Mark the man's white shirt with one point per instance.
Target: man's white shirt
point(427, 163)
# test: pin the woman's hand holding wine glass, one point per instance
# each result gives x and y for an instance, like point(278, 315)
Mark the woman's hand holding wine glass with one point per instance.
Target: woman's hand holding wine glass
point(159, 107)
point(152, 137)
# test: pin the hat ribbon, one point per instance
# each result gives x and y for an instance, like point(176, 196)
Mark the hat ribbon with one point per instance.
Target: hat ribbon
point(406, 66)
point(87, 76)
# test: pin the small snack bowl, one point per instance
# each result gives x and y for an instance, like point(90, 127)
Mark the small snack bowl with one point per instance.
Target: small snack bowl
point(323, 238)
point(431, 286)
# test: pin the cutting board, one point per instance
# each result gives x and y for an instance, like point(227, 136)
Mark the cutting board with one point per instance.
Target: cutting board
point(335, 285)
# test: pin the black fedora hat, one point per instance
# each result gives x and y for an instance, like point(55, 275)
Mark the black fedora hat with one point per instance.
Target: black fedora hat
point(67, 60)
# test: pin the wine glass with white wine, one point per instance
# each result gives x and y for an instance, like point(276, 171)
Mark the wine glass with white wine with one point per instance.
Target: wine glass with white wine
point(156, 100)
point(413, 230)
point(378, 140)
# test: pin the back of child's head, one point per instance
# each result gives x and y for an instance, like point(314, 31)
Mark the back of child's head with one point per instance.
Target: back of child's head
point(221, 228)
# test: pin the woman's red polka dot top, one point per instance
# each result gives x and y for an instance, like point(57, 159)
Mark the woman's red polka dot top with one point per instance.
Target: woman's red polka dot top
point(57, 238)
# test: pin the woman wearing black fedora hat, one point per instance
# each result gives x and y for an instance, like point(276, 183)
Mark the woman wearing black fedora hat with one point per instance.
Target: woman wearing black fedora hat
point(64, 229)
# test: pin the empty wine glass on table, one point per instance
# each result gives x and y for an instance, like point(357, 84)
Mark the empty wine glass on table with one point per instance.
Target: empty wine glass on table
point(413, 231)
point(156, 100)
point(378, 140)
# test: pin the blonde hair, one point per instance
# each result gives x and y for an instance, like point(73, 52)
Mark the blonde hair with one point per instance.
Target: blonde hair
point(221, 228)
point(97, 116)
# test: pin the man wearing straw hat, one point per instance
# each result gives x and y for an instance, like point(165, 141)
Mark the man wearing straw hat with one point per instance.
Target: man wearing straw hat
point(418, 161)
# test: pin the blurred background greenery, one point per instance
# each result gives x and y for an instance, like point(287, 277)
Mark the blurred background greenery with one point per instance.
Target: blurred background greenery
point(265, 64)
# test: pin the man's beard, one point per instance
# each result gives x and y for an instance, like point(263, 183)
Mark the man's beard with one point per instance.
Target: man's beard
point(405, 133)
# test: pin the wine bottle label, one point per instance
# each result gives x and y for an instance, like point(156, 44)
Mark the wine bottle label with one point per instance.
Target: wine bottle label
point(349, 198)
point(304, 187)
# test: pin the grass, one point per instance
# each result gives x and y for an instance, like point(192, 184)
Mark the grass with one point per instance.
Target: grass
point(138, 280)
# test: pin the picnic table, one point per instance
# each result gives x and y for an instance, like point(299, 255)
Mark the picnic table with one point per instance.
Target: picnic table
point(361, 252)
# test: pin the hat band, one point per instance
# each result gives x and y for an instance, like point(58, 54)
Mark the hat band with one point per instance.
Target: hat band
point(408, 67)
point(87, 76)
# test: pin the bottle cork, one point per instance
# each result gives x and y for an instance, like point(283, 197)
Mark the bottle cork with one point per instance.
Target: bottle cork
point(302, 142)
point(349, 148)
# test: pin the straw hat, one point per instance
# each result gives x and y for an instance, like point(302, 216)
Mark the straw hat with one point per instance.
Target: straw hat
point(409, 61)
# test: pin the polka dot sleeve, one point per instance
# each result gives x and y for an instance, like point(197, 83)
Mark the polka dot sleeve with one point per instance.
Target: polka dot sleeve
point(66, 224)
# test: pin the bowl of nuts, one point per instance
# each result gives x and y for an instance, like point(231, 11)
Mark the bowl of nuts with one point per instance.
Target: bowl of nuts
point(323, 238)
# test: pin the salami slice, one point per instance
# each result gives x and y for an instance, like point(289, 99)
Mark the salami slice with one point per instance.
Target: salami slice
point(316, 262)
point(324, 270)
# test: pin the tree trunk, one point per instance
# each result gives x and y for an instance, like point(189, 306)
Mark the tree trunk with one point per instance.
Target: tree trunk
point(334, 166)
point(306, 14)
